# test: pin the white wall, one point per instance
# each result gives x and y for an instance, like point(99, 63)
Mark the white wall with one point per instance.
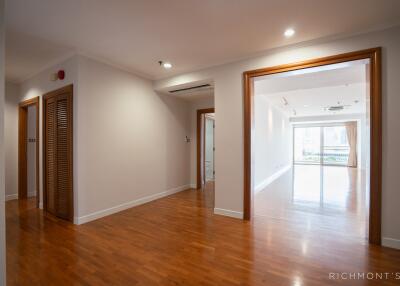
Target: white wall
point(228, 95)
point(272, 144)
point(131, 140)
point(11, 140)
point(201, 103)
point(2, 179)
point(31, 151)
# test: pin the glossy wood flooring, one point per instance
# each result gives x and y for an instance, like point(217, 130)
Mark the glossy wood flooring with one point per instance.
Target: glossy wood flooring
point(331, 197)
point(178, 241)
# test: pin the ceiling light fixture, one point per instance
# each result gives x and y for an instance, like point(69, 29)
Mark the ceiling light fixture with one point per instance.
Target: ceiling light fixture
point(165, 65)
point(289, 32)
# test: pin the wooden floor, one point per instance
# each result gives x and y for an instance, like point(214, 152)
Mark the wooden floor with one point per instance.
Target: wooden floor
point(178, 241)
point(332, 197)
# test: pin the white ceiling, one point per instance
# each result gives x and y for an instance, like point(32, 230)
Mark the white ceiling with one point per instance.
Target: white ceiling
point(310, 92)
point(192, 34)
point(315, 101)
point(330, 75)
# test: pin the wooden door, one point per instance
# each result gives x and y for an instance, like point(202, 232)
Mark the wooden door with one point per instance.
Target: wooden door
point(57, 123)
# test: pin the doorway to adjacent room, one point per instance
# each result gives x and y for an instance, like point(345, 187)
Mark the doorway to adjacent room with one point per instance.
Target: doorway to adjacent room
point(205, 147)
point(28, 149)
point(313, 144)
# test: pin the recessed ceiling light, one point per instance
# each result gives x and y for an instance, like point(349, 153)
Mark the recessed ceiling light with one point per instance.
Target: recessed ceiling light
point(305, 105)
point(289, 32)
point(165, 65)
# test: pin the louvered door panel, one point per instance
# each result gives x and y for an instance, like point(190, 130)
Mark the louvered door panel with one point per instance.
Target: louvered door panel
point(50, 153)
point(63, 146)
point(58, 150)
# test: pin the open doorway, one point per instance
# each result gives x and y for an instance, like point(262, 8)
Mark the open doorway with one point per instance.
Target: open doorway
point(205, 148)
point(313, 144)
point(28, 150)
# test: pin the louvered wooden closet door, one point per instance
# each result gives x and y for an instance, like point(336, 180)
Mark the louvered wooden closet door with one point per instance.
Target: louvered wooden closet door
point(50, 154)
point(58, 153)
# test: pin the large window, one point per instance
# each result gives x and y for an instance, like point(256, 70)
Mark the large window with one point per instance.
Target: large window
point(321, 145)
point(336, 146)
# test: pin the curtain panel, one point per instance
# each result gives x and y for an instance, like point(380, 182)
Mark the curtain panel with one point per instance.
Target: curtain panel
point(351, 130)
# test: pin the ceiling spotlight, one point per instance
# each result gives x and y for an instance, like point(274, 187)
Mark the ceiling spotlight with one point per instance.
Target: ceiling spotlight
point(165, 65)
point(289, 32)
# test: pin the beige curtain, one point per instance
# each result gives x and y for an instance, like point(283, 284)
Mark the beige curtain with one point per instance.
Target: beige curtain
point(351, 129)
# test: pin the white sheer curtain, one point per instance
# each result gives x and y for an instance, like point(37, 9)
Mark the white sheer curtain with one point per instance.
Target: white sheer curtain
point(351, 130)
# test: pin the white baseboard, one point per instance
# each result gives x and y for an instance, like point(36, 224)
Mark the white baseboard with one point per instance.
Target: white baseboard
point(11, 197)
point(15, 196)
point(271, 178)
point(391, 242)
point(127, 205)
point(229, 213)
point(193, 186)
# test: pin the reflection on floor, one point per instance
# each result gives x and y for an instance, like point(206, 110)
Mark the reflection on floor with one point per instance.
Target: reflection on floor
point(326, 197)
point(208, 194)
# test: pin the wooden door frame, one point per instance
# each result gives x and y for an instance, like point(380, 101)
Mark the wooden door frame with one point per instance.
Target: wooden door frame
point(198, 143)
point(374, 56)
point(66, 89)
point(22, 148)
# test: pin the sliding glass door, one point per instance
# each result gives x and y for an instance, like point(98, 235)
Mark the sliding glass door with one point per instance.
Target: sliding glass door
point(335, 145)
point(325, 145)
point(307, 145)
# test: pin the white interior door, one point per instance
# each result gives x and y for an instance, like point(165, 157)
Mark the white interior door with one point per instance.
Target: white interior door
point(209, 149)
point(31, 151)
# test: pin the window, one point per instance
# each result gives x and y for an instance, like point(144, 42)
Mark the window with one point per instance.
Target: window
point(321, 145)
point(307, 145)
point(336, 147)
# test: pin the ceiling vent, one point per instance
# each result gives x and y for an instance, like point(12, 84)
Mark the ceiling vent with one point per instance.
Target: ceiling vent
point(336, 108)
point(192, 88)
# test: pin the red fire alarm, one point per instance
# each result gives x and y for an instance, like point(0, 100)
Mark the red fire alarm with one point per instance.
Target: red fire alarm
point(61, 74)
